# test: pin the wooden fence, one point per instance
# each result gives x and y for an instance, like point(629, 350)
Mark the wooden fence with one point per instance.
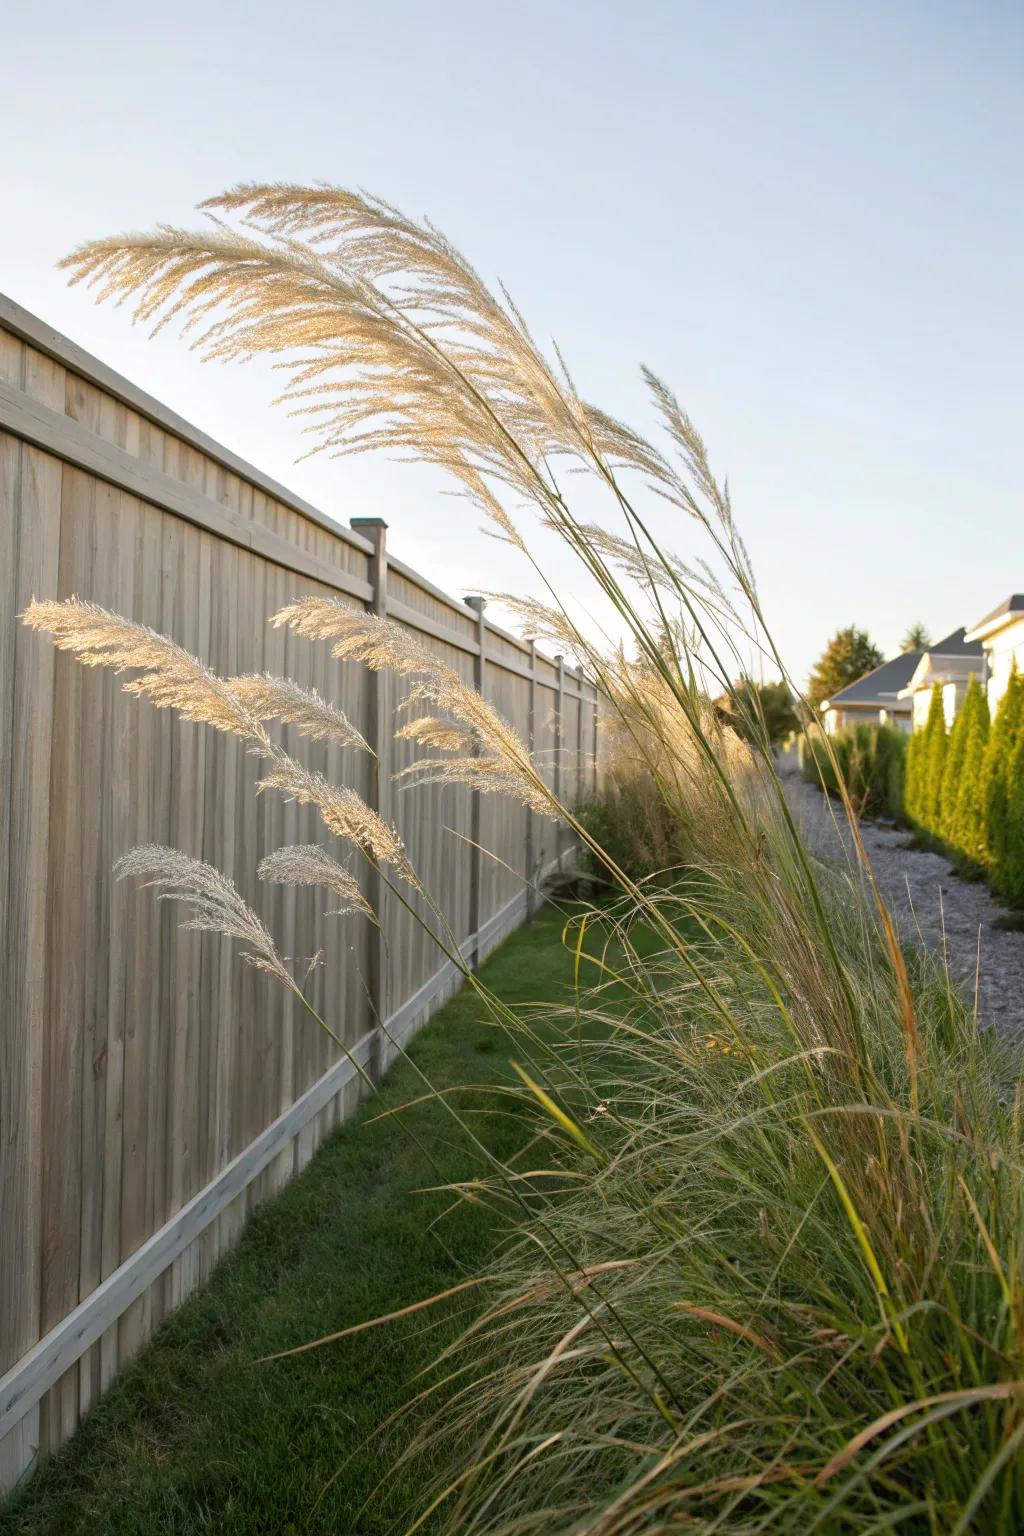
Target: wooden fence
point(153, 1090)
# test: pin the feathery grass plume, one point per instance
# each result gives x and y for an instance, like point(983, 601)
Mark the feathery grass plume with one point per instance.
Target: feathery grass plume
point(489, 774)
point(399, 344)
point(342, 812)
point(391, 294)
point(442, 735)
point(309, 864)
point(213, 901)
point(216, 906)
point(267, 697)
point(171, 678)
point(502, 762)
point(541, 621)
point(666, 573)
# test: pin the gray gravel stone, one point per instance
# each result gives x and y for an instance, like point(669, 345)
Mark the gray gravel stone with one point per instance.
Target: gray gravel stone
point(931, 905)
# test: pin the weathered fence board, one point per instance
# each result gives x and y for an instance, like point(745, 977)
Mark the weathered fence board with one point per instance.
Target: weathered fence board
point(152, 1089)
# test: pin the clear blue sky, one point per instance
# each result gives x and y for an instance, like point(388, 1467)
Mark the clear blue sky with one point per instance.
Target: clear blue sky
point(807, 216)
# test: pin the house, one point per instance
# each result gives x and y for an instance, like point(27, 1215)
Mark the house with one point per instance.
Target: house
point(951, 663)
point(874, 699)
point(1001, 636)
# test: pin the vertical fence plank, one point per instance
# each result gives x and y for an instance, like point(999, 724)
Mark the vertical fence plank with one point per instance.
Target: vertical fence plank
point(18, 1137)
point(91, 407)
point(596, 721)
point(559, 743)
point(69, 1012)
point(142, 980)
point(476, 854)
point(532, 862)
point(578, 766)
point(122, 790)
point(30, 495)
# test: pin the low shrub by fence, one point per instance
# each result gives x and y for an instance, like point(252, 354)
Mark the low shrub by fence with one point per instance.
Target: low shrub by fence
point(152, 1092)
point(871, 759)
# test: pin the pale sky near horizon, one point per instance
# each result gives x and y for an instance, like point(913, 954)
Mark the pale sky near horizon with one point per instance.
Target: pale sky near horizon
point(806, 216)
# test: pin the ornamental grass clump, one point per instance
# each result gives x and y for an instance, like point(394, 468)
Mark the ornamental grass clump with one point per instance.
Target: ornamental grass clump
point(764, 1271)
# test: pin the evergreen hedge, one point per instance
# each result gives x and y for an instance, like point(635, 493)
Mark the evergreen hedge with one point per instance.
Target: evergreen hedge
point(965, 787)
point(871, 760)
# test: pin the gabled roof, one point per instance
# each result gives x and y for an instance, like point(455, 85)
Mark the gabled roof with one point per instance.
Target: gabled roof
point(957, 644)
point(953, 659)
point(1006, 613)
point(880, 688)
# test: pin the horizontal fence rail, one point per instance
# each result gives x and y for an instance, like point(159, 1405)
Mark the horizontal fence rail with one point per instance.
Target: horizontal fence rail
point(153, 1091)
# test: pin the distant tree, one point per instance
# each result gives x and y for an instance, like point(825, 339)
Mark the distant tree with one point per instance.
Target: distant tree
point(916, 638)
point(759, 710)
point(848, 655)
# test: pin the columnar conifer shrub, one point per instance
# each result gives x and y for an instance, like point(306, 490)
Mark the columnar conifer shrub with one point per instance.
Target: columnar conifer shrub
point(964, 787)
point(1011, 873)
point(931, 765)
point(913, 778)
point(763, 1267)
point(952, 771)
point(925, 768)
point(966, 831)
point(1007, 731)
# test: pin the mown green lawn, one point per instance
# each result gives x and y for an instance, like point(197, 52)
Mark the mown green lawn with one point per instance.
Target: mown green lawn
point(198, 1436)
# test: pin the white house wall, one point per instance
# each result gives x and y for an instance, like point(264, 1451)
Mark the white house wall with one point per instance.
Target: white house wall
point(1002, 651)
point(952, 697)
point(922, 704)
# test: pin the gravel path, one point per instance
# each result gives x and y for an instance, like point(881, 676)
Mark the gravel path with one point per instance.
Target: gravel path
point(931, 905)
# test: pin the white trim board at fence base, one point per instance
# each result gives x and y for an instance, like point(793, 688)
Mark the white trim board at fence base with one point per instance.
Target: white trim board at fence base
point(33, 1375)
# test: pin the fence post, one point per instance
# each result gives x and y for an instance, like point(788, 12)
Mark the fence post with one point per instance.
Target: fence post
point(378, 734)
point(559, 717)
point(579, 732)
point(476, 853)
point(594, 701)
point(531, 815)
